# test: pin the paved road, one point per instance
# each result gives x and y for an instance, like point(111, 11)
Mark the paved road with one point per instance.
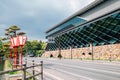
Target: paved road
point(55, 69)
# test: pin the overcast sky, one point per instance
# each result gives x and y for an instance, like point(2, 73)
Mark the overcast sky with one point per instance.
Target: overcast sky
point(36, 16)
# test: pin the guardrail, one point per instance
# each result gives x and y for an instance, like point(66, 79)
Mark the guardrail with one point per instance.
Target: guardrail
point(24, 70)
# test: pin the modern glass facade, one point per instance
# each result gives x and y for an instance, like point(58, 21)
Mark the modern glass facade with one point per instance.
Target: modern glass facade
point(71, 23)
point(100, 32)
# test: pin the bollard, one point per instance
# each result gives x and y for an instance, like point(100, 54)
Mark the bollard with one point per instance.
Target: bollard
point(33, 70)
point(41, 70)
point(24, 72)
point(26, 62)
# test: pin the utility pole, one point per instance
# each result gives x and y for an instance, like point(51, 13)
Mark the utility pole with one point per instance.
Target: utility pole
point(59, 50)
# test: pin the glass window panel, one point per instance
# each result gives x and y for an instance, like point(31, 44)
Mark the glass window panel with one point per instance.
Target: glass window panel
point(117, 28)
point(97, 33)
point(95, 27)
point(94, 44)
point(102, 43)
point(112, 33)
point(100, 29)
point(108, 20)
point(93, 31)
point(106, 31)
point(114, 15)
point(87, 45)
point(100, 22)
point(112, 41)
point(115, 21)
point(110, 27)
point(117, 36)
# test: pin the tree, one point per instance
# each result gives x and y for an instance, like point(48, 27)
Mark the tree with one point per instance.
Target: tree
point(21, 33)
point(1, 50)
point(0, 43)
point(14, 29)
point(27, 48)
point(34, 47)
point(11, 32)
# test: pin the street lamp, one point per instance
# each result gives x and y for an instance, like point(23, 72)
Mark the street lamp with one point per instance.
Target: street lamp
point(22, 40)
point(15, 43)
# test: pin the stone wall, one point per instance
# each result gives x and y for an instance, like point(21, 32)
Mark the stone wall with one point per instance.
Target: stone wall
point(105, 52)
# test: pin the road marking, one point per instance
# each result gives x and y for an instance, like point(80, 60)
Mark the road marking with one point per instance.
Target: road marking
point(50, 75)
point(53, 76)
point(80, 76)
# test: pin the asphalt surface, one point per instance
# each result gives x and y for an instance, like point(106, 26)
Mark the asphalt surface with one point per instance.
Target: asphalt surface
point(66, 69)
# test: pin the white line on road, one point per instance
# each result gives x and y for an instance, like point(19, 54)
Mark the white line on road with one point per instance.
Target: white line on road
point(80, 76)
point(53, 76)
point(50, 75)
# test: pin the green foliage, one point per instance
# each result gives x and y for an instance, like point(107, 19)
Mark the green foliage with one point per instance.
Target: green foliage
point(31, 47)
point(8, 65)
point(0, 43)
point(3, 48)
point(1, 65)
point(34, 47)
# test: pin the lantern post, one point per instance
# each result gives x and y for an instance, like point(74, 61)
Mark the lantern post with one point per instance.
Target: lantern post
point(15, 57)
point(15, 44)
point(22, 40)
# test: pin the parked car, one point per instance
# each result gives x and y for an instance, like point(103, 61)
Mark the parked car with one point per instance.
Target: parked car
point(31, 55)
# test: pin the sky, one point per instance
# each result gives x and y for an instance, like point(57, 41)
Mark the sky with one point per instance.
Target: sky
point(35, 17)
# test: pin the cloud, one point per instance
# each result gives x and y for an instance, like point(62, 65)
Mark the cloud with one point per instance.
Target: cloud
point(79, 4)
point(2, 30)
point(36, 16)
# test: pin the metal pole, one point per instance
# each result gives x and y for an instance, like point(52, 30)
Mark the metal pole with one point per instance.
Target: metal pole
point(41, 70)
point(33, 70)
point(71, 51)
point(26, 62)
point(24, 72)
point(59, 48)
point(91, 48)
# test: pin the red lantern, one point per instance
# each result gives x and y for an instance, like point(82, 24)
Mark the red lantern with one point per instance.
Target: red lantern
point(22, 40)
point(14, 42)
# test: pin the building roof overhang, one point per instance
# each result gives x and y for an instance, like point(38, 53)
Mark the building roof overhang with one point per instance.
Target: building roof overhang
point(82, 11)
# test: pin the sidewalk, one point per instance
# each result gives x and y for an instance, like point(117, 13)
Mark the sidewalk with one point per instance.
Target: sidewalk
point(92, 61)
point(103, 62)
